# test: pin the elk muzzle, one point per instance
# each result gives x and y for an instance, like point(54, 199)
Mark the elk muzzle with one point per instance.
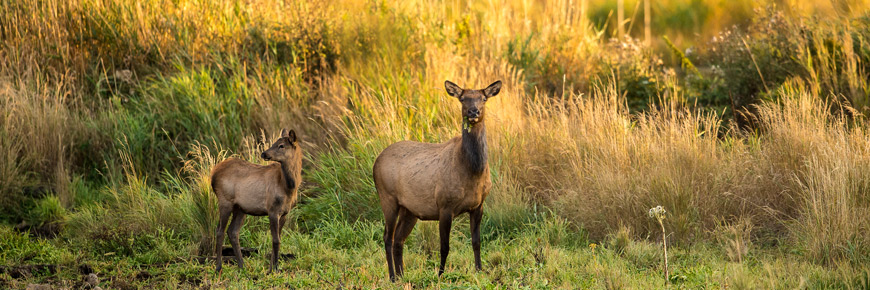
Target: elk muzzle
point(473, 115)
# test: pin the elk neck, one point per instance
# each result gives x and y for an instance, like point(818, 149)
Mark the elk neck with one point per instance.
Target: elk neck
point(474, 149)
point(286, 173)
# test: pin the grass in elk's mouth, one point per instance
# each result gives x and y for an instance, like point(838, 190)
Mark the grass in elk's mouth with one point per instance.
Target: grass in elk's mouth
point(467, 123)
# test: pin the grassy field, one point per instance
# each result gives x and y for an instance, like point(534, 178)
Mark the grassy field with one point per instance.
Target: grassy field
point(746, 121)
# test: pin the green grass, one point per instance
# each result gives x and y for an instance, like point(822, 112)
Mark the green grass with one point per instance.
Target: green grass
point(349, 255)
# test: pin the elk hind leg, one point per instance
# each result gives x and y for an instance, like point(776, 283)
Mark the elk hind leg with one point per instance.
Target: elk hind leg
point(235, 227)
point(224, 212)
point(281, 222)
point(390, 208)
point(405, 225)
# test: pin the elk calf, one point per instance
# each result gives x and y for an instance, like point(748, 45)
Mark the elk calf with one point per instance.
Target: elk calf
point(425, 181)
point(244, 188)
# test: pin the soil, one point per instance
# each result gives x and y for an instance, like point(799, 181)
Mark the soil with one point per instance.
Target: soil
point(25, 271)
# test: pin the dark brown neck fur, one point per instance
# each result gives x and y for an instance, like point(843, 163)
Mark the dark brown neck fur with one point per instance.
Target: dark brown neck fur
point(474, 148)
point(287, 174)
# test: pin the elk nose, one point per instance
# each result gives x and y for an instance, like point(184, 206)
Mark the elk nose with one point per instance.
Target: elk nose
point(263, 155)
point(473, 113)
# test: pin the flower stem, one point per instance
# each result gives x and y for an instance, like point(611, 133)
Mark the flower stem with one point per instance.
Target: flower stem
point(665, 245)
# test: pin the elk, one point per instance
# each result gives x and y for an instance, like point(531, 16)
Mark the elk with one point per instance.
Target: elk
point(426, 181)
point(244, 188)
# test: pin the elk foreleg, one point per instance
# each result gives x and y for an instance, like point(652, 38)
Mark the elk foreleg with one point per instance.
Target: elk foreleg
point(445, 221)
point(275, 227)
point(474, 218)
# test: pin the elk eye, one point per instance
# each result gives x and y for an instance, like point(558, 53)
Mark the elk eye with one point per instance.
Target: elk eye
point(281, 146)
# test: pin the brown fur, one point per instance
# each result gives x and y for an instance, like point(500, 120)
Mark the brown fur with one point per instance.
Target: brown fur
point(436, 181)
point(244, 188)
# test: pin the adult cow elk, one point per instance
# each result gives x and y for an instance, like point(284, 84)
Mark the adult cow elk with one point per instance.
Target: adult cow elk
point(244, 188)
point(426, 181)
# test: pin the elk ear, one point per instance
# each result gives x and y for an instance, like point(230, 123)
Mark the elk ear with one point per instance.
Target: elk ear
point(291, 136)
point(492, 89)
point(452, 89)
point(284, 133)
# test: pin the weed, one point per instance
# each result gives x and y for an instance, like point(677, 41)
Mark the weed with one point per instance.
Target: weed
point(621, 239)
point(659, 213)
point(735, 238)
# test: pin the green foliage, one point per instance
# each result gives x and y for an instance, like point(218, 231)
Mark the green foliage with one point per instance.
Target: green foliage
point(47, 210)
point(560, 232)
point(135, 220)
point(311, 47)
point(619, 241)
point(746, 66)
point(341, 234)
point(206, 105)
point(639, 76)
point(685, 63)
point(520, 53)
point(347, 192)
point(20, 248)
point(507, 220)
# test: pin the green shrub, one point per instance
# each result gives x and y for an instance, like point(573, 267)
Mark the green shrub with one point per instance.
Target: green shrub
point(638, 74)
point(47, 210)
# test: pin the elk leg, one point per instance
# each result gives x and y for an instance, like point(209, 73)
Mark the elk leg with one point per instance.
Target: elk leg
point(444, 224)
point(235, 226)
point(390, 213)
point(474, 218)
point(403, 229)
point(219, 235)
point(274, 226)
point(281, 223)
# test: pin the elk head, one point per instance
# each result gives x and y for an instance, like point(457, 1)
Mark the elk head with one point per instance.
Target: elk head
point(283, 150)
point(473, 101)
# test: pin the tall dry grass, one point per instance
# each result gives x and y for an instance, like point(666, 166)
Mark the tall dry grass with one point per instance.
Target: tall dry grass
point(40, 125)
point(826, 158)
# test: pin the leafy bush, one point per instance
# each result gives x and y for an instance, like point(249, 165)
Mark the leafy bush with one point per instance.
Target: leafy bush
point(748, 65)
point(638, 74)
